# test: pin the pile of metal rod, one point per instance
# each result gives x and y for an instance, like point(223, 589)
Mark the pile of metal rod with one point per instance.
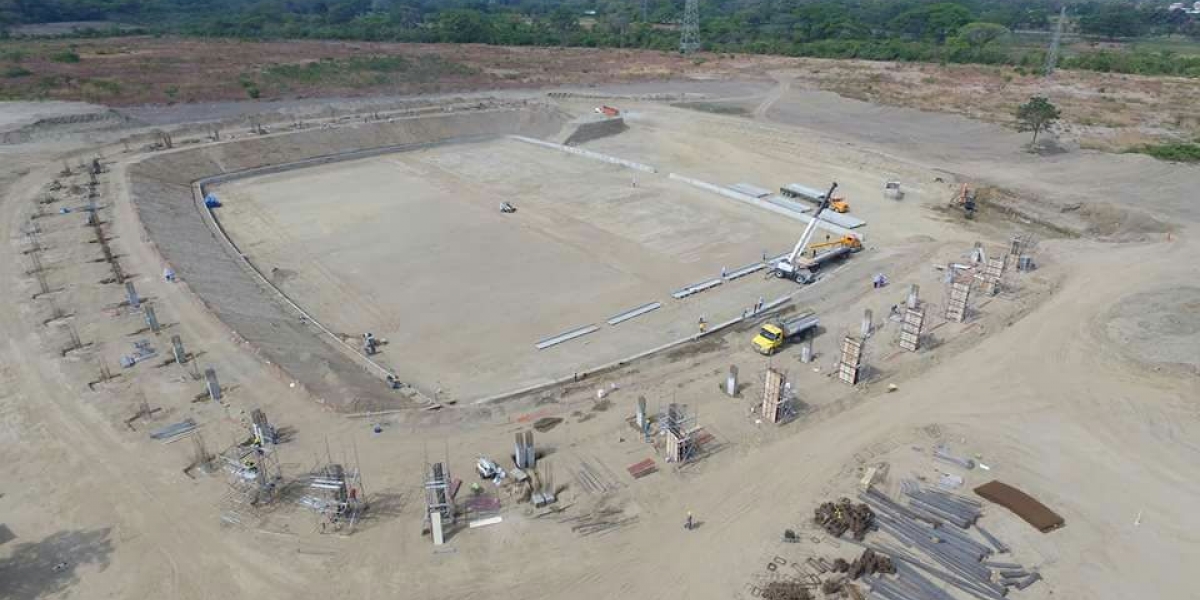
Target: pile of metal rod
point(934, 533)
point(951, 508)
point(942, 453)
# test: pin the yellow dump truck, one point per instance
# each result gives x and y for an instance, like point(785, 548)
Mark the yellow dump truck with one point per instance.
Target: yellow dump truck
point(773, 335)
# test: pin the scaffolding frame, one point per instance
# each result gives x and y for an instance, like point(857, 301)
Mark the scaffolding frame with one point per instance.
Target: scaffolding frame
point(439, 499)
point(255, 474)
point(680, 429)
point(335, 492)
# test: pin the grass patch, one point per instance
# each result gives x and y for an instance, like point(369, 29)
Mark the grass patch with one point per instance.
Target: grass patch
point(66, 56)
point(1175, 151)
point(1177, 45)
point(100, 87)
point(367, 70)
point(711, 107)
point(15, 71)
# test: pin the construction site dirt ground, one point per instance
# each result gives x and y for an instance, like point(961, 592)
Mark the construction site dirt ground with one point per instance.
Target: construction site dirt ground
point(1077, 383)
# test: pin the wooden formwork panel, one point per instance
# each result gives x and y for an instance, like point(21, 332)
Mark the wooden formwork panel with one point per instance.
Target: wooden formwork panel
point(772, 395)
point(848, 367)
point(911, 327)
point(956, 308)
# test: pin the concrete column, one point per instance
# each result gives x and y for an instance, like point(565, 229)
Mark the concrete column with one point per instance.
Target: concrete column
point(913, 297)
point(214, 387)
point(519, 451)
point(151, 319)
point(866, 323)
point(731, 381)
point(641, 413)
point(435, 527)
point(806, 350)
point(131, 295)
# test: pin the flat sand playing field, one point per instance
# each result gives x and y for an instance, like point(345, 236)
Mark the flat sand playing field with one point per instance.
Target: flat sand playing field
point(413, 248)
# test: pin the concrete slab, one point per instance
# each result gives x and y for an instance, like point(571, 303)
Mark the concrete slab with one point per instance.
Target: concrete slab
point(750, 189)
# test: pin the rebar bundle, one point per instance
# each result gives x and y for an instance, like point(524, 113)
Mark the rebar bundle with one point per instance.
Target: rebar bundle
point(838, 517)
point(786, 590)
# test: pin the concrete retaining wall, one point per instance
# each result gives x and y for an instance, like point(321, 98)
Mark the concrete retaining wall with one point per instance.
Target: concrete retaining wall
point(593, 129)
point(161, 188)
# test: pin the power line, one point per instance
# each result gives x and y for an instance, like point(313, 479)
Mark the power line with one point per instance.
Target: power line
point(689, 40)
point(1052, 53)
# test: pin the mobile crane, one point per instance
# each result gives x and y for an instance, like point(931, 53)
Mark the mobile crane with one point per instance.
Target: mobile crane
point(800, 270)
point(850, 241)
point(796, 191)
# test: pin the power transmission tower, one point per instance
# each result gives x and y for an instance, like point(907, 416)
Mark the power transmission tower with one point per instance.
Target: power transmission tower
point(689, 41)
point(1052, 54)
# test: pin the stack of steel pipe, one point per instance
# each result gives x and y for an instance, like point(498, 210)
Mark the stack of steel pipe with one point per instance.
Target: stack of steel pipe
point(1029, 581)
point(996, 543)
point(882, 504)
point(1001, 565)
point(888, 589)
point(957, 558)
point(960, 511)
point(954, 554)
point(951, 579)
point(916, 580)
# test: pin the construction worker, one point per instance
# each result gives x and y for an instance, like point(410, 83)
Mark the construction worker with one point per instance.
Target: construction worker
point(689, 524)
point(703, 325)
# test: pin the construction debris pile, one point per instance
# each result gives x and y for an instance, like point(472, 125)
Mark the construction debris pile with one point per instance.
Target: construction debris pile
point(838, 517)
point(868, 563)
point(601, 520)
point(786, 590)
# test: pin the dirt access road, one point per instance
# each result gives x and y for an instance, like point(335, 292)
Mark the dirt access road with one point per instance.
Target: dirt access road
point(1052, 386)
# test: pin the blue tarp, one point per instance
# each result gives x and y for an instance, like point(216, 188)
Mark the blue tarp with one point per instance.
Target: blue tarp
point(210, 201)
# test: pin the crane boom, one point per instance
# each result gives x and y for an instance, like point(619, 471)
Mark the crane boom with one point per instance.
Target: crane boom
point(811, 230)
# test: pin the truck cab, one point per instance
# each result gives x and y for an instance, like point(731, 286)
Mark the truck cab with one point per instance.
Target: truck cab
point(769, 339)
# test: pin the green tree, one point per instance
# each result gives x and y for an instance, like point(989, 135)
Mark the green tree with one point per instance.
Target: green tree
point(462, 26)
point(1036, 115)
point(564, 20)
point(1112, 21)
point(979, 35)
point(931, 21)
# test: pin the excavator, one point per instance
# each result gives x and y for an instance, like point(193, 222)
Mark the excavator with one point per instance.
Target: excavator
point(800, 269)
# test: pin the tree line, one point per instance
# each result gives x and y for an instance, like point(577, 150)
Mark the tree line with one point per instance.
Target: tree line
point(961, 31)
